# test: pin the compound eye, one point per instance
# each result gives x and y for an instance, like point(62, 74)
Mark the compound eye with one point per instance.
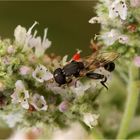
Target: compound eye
point(110, 66)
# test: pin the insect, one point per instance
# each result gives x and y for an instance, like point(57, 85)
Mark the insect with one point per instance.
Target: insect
point(86, 67)
point(95, 61)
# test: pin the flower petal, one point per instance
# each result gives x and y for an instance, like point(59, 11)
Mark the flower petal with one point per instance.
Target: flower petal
point(25, 104)
point(19, 85)
point(41, 74)
point(118, 8)
point(110, 37)
point(122, 9)
point(14, 98)
point(20, 34)
point(123, 39)
point(80, 88)
point(90, 119)
point(94, 20)
point(39, 102)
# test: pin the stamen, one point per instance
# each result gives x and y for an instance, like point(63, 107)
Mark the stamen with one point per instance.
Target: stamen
point(30, 29)
point(45, 34)
point(35, 33)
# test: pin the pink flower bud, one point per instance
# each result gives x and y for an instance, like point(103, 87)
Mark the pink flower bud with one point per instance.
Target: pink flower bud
point(63, 106)
point(32, 58)
point(135, 3)
point(10, 49)
point(24, 70)
point(6, 60)
point(137, 61)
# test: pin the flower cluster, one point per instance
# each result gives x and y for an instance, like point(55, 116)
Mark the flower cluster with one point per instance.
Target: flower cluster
point(120, 30)
point(26, 39)
point(119, 21)
point(29, 93)
point(22, 96)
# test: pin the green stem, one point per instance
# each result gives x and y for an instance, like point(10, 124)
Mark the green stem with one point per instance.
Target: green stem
point(96, 134)
point(132, 99)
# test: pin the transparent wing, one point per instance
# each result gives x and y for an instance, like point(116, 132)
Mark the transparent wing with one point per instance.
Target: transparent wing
point(99, 59)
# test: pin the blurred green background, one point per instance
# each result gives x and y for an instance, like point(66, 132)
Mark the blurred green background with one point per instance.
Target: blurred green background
point(67, 22)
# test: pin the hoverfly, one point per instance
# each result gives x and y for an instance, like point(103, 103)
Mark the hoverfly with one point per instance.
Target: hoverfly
point(86, 67)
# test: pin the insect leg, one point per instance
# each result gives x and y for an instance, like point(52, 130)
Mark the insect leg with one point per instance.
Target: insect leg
point(97, 76)
point(103, 82)
point(76, 80)
point(94, 75)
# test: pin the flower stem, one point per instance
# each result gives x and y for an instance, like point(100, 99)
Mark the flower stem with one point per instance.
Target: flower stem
point(96, 134)
point(132, 99)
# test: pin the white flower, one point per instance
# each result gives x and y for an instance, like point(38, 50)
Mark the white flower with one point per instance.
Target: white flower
point(25, 38)
point(64, 60)
point(80, 88)
point(40, 45)
point(118, 8)
point(114, 35)
point(22, 36)
point(110, 37)
point(20, 95)
point(39, 102)
point(13, 119)
point(74, 132)
point(92, 84)
point(41, 74)
point(94, 20)
point(55, 88)
point(123, 39)
point(90, 120)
